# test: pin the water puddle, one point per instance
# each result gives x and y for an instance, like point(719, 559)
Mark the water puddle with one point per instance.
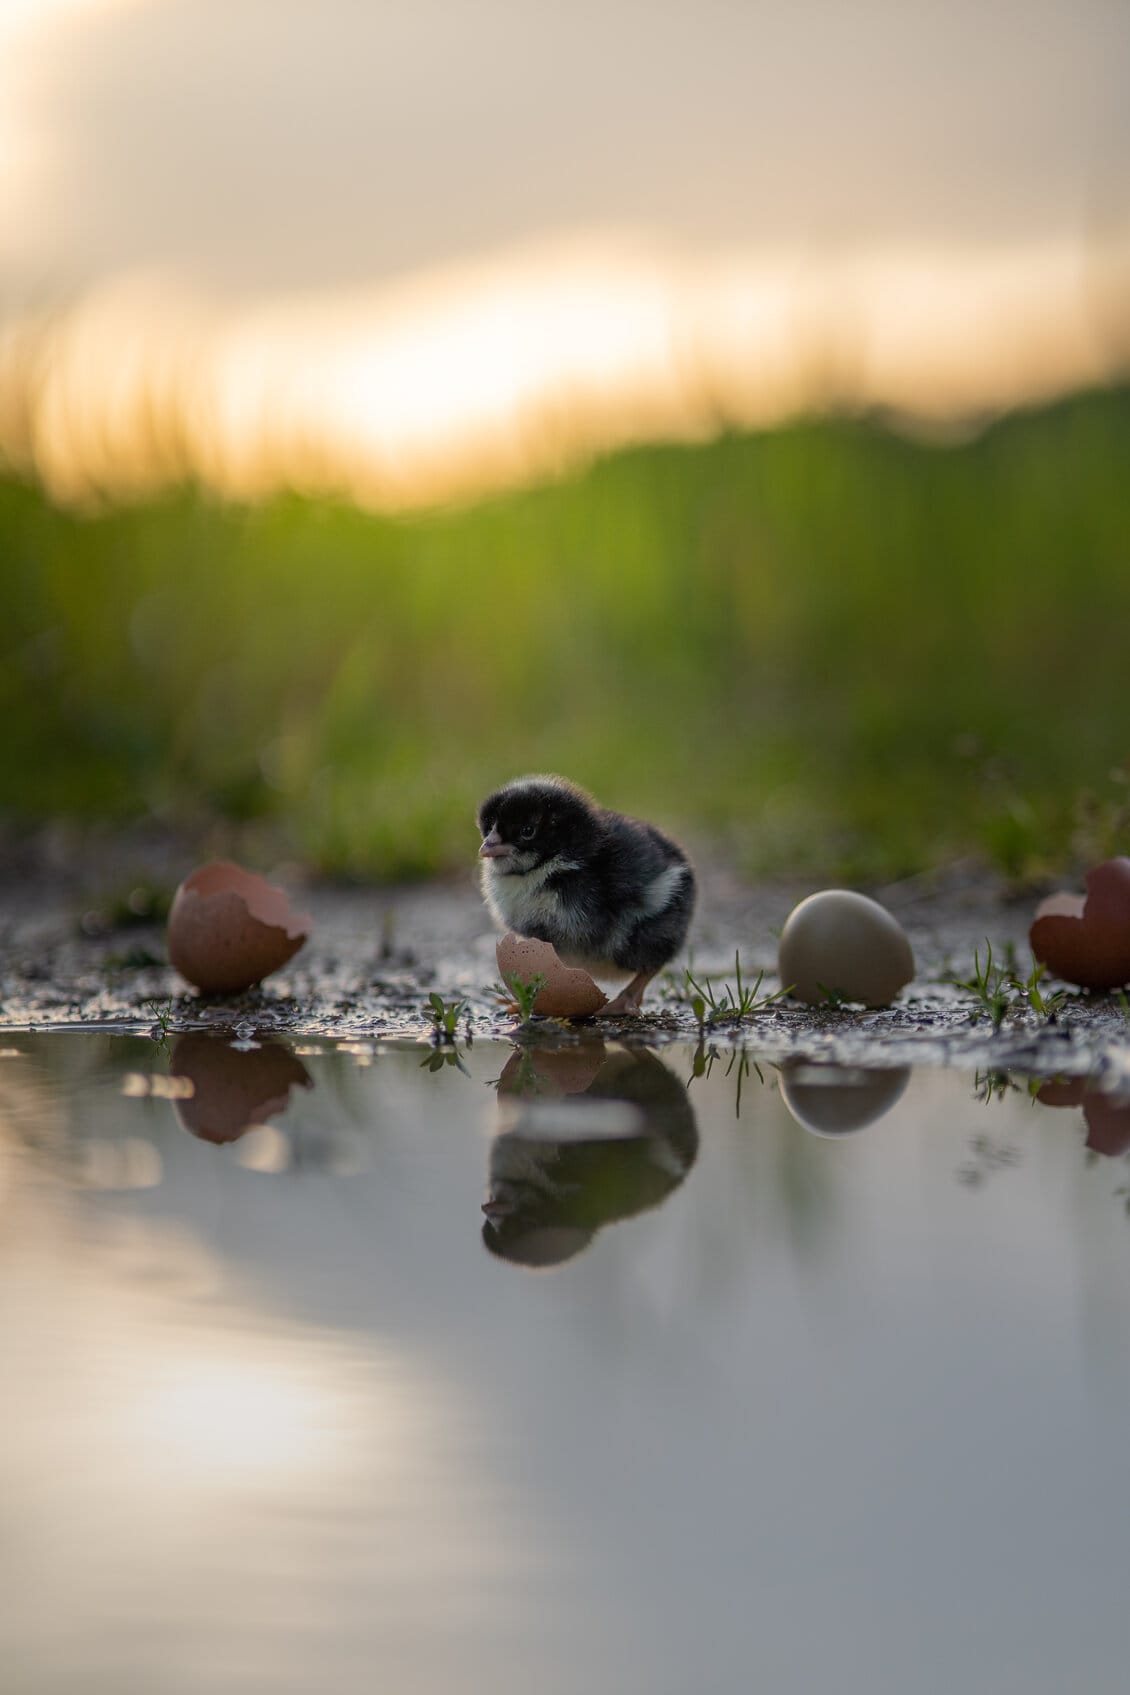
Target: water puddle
point(344, 1366)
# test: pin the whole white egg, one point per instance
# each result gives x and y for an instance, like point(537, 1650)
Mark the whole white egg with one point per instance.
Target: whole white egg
point(839, 943)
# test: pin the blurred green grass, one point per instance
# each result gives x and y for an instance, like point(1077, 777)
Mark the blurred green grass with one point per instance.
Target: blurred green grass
point(832, 648)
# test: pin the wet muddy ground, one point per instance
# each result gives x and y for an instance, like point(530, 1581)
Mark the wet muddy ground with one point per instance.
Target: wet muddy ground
point(72, 957)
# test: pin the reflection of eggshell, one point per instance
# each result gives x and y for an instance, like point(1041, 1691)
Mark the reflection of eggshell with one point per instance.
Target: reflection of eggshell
point(567, 992)
point(1068, 1091)
point(229, 928)
point(1086, 939)
point(552, 1071)
point(840, 942)
point(233, 1088)
point(1107, 1117)
point(834, 1100)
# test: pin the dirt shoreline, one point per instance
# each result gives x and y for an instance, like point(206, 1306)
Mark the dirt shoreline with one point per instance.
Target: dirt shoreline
point(69, 959)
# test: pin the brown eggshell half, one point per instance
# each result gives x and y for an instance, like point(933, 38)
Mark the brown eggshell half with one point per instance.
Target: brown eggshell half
point(233, 1089)
point(567, 993)
point(1086, 940)
point(229, 928)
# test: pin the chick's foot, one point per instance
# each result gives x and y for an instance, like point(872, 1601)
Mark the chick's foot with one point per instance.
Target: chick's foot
point(629, 1002)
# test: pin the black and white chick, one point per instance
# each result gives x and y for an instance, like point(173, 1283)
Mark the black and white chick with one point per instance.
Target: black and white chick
point(612, 894)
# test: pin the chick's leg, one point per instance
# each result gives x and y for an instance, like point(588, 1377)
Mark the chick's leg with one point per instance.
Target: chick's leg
point(630, 998)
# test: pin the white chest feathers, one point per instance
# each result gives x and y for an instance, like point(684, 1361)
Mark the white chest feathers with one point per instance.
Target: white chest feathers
point(521, 901)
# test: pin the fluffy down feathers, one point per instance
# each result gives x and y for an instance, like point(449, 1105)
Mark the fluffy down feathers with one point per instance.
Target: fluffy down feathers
point(610, 893)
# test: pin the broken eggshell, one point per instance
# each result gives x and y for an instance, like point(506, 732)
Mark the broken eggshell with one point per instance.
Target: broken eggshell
point(229, 928)
point(1085, 939)
point(568, 992)
point(840, 942)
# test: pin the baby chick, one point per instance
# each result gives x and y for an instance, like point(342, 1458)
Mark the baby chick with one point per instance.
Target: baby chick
point(611, 894)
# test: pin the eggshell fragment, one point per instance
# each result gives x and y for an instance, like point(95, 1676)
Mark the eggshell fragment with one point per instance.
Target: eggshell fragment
point(1086, 939)
point(229, 928)
point(233, 1089)
point(835, 1100)
point(568, 992)
point(840, 942)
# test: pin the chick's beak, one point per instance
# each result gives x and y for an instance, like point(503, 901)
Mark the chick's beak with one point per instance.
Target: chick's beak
point(494, 847)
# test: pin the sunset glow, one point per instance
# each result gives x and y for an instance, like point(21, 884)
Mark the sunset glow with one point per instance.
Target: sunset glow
point(441, 283)
point(481, 375)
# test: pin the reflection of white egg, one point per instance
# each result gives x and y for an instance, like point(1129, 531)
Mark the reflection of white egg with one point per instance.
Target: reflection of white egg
point(834, 1100)
point(838, 942)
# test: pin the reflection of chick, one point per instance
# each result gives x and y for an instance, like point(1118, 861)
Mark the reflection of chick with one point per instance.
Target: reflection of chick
point(559, 1175)
point(610, 893)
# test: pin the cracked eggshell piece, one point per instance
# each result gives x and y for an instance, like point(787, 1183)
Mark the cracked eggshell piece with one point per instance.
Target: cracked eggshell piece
point(840, 942)
point(568, 992)
point(1085, 939)
point(228, 928)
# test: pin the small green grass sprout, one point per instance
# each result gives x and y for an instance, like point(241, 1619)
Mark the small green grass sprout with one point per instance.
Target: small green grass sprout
point(444, 1016)
point(990, 985)
point(999, 988)
point(1047, 1005)
point(728, 1003)
point(517, 994)
point(163, 1016)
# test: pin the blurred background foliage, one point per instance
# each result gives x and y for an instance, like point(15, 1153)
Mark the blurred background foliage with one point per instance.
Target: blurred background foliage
point(827, 648)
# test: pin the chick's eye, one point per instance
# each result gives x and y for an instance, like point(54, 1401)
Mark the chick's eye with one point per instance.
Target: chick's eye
point(527, 832)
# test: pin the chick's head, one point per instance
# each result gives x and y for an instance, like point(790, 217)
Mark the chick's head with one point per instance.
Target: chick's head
point(534, 820)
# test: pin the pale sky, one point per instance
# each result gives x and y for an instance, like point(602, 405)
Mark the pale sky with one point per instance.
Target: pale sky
point(280, 144)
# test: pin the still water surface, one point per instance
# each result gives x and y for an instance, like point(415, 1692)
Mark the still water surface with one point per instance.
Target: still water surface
point(549, 1373)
